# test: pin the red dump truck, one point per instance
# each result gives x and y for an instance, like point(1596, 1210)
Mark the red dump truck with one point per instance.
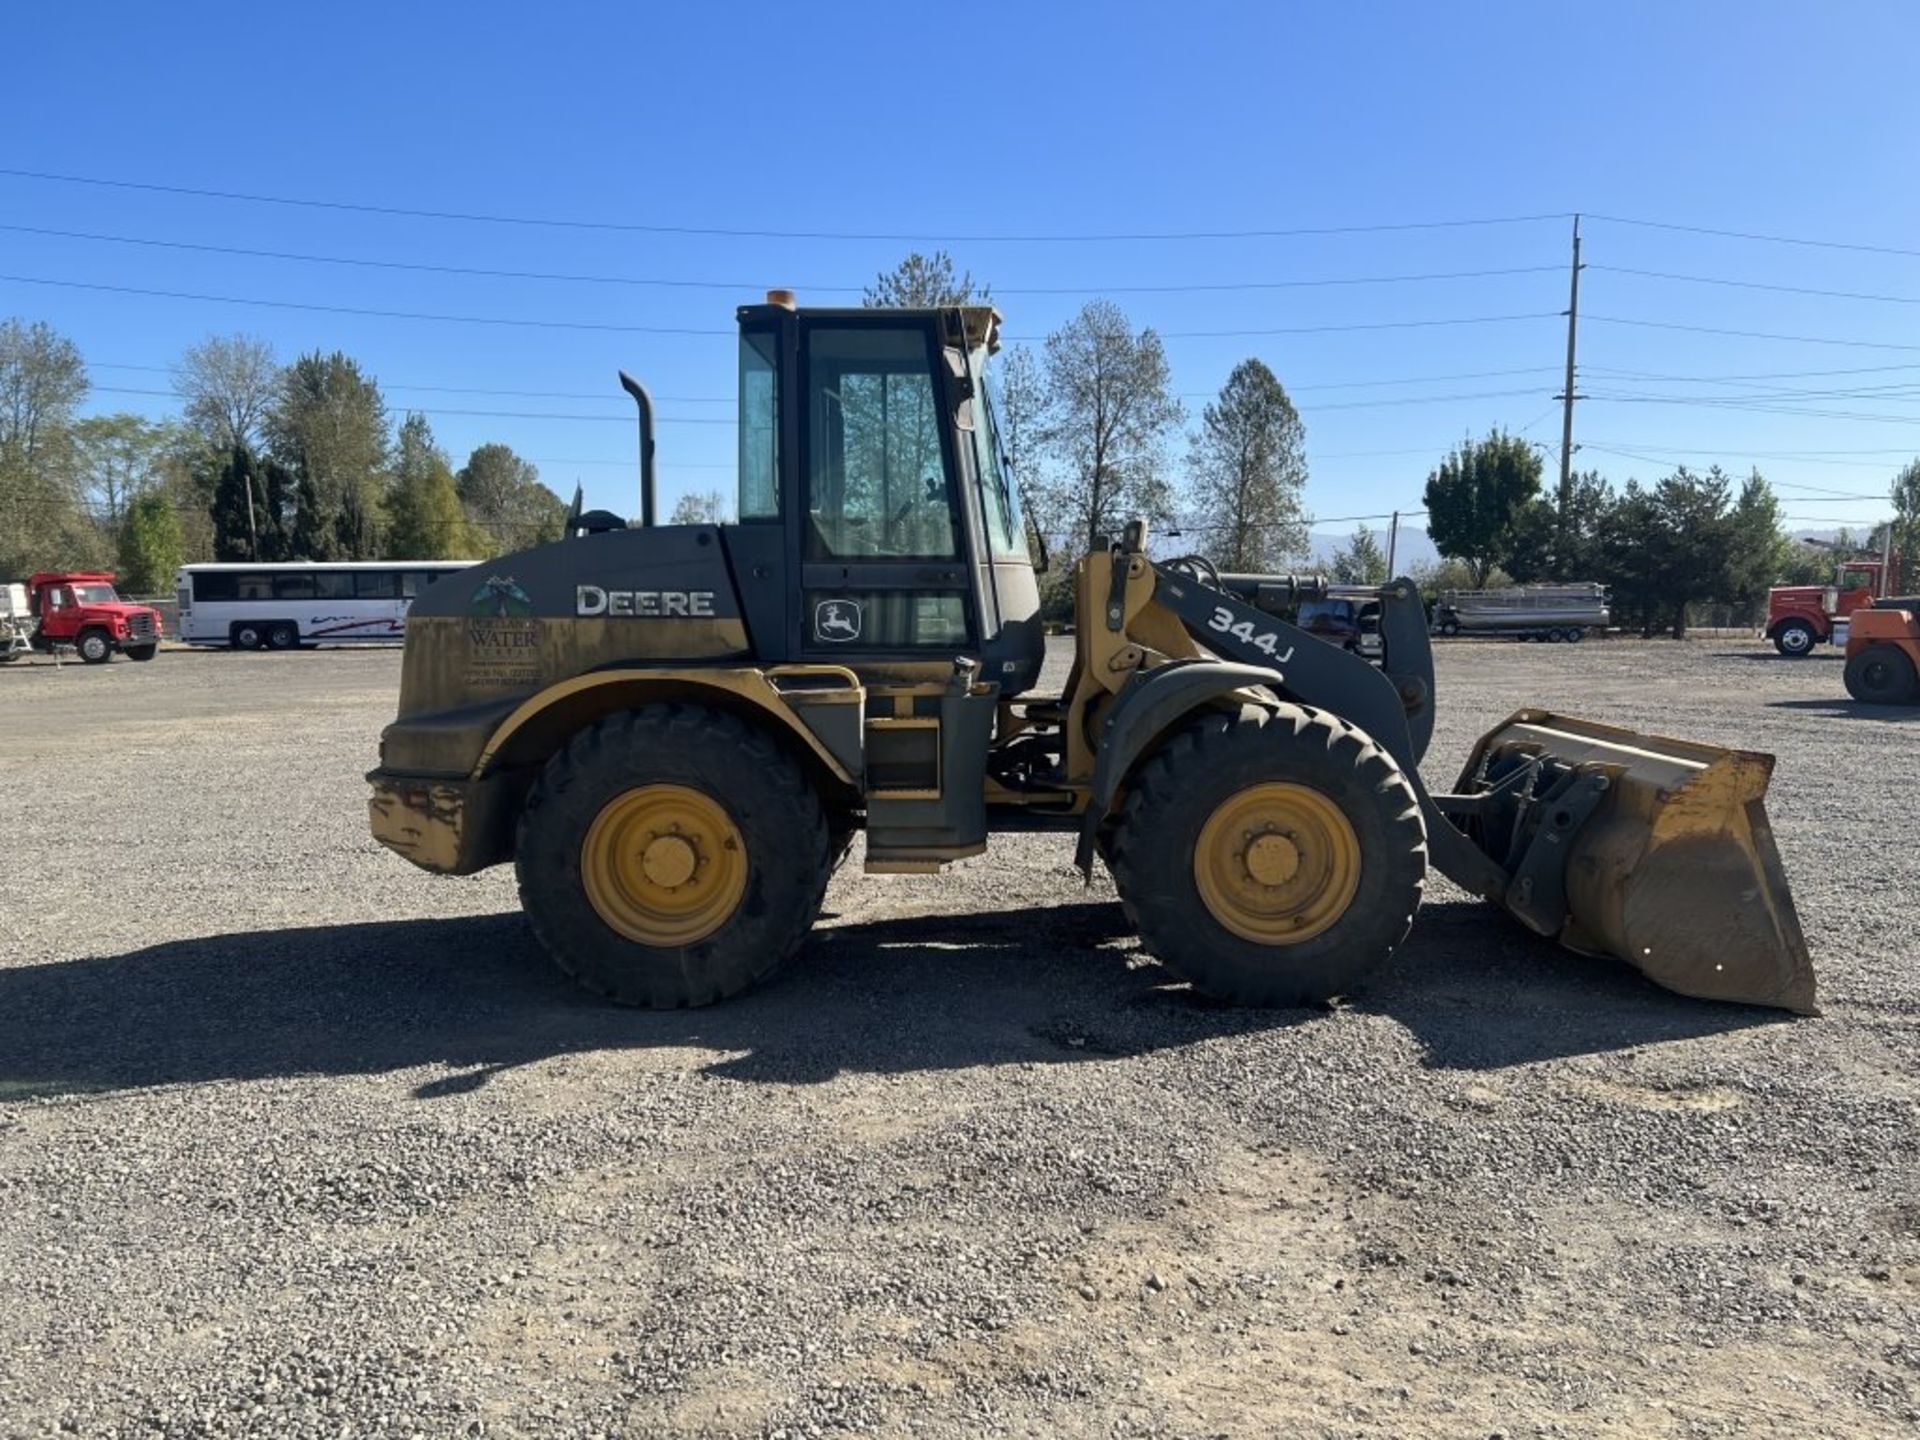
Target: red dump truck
point(81, 608)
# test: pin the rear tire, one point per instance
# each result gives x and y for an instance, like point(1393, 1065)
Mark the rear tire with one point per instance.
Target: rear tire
point(142, 652)
point(1575, 635)
point(1882, 675)
point(283, 636)
point(1245, 831)
point(94, 646)
point(1795, 639)
point(246, 635)
point(672, 856)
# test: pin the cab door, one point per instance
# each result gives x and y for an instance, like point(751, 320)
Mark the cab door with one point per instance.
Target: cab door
point(883, 551)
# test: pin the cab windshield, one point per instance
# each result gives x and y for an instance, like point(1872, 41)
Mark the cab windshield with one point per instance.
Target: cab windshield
point(95, 595)
point(999, 496)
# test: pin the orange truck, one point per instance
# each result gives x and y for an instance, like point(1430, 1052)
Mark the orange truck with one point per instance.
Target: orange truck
point(1883, 652)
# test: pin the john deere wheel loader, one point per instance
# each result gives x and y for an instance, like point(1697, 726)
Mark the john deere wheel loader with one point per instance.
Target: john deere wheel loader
point(675, 731)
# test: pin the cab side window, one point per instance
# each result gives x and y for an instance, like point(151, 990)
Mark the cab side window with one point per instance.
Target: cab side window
point(877, 483)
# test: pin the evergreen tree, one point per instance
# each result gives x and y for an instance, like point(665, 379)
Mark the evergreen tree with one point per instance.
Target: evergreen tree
point(1361, 561)
point(315, 533)
point(921, 281)
point(234, 529)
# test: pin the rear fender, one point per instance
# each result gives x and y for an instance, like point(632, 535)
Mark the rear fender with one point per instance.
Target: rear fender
point(830, 745)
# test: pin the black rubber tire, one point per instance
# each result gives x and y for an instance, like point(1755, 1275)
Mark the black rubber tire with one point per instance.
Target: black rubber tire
point(1449, 628)
point(247, 635)
point(766, 794)
point(1575, 634)
point(1882, 675)
point(283, 635)
point(1215, 756)
point(1795, 639)
point(142, 652)
point(95, 646)
point(1556, 635)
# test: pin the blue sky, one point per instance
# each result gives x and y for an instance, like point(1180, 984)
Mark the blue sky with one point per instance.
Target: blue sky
point(959, 123)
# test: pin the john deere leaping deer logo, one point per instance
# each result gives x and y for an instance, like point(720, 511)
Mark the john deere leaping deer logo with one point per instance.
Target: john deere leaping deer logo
point(836, 620)
point(500, 598)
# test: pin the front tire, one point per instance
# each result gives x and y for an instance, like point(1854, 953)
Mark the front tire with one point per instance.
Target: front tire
point(1882, 675)
point(94, 647)
point(672, 856)
point(1795, 639)
point(1273, 857)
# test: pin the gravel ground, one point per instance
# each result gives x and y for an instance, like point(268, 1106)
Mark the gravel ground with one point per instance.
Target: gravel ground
point(295, 1140)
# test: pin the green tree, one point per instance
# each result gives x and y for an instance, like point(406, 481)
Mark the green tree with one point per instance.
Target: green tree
point(699, 507)
point(1669, 547)
point(1757, 546)
point(1474, 497)
point(1544, 549)
point(152, 546)
point(119, 458)
point(1109, 407)
point(425, 520)
point(922, 281)
point(328, 425)
point(1360, 561)
point(1906, 528)
point(507, 506)
point(1247, 468)
point(42, 382)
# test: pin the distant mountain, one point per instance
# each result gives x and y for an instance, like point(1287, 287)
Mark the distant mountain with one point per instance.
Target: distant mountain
point(1414, 550)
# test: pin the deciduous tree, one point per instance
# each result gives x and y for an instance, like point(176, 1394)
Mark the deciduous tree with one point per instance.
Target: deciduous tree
point(328, 425)
point(152, 546)
point(1248, 467)
point(226, 385)
point(506, 504)
point(1906, 527)
point(1110, 406)
point(699, 507)
point(42, 382)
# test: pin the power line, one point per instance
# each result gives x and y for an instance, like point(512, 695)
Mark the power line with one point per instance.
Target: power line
point(464, 389)
point(682, 330)
point(1749, 334)
point(376, 314)
point(1759, 285)
point(751, 287)
point(626, 419)
point(1747, 235)
point(554, 222)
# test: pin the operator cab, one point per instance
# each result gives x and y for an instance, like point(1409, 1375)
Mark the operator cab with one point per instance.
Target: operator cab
point(871, 473)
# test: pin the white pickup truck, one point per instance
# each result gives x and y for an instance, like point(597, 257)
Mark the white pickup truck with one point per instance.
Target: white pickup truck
point(16, 622)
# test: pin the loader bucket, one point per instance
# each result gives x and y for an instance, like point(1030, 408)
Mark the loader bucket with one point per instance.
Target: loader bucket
point(1654, 851)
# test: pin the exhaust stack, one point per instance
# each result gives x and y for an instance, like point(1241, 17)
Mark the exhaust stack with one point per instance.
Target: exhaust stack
point(644, 402)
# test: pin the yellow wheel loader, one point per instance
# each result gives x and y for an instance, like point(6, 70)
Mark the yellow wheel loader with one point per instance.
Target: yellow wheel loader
point(674, 732)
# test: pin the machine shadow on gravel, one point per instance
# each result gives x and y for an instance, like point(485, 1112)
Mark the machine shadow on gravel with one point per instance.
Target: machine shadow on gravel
point(1842, 708)
point(1040, 986)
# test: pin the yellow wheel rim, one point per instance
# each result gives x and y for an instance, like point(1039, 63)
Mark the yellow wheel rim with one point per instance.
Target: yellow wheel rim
point(1278, 863)
point(664, 865)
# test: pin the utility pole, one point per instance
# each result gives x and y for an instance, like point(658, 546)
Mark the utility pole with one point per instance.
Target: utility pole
point(1393, 542)
point(1568, 395)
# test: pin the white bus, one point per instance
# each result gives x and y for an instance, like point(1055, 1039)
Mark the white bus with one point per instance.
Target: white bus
point(281, 607)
